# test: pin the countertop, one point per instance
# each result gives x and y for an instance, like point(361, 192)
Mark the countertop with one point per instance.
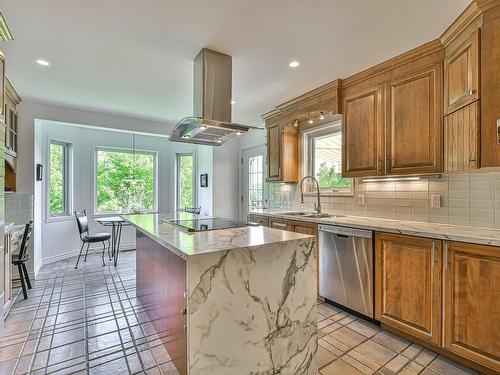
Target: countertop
point(477, 235)
point(184, 244)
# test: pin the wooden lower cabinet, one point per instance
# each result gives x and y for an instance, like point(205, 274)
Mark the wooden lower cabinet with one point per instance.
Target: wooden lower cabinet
point(262, 220)
point(303, 227)
point(278, 224)
point(472, 302)
point(408, 285)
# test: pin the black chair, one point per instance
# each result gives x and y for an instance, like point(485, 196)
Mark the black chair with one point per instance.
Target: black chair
point(87, 238)
point(22, 257)
point(193, 210)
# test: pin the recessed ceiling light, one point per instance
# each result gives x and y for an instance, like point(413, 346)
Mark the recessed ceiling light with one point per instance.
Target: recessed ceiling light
point(238, 133)
point(233, 101)
point(294, 64)
point(42, 62)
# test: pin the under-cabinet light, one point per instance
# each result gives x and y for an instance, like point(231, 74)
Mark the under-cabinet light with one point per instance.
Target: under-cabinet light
point(395, 179)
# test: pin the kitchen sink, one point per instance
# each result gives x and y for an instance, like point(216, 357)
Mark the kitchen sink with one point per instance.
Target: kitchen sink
point(318, 216)
point(296, 213)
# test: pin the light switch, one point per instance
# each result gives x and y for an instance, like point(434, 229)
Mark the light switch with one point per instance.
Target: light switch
point(435, 201)
point(361, 199)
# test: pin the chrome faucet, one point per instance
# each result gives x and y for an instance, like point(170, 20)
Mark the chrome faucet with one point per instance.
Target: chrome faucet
point(317, 206)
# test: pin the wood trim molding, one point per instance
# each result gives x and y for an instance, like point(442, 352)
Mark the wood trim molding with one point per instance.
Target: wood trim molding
point(466, 18)
point(405, 58)
point(5, 33)
point(11, 92)
point(485, 5)
point(329, 89)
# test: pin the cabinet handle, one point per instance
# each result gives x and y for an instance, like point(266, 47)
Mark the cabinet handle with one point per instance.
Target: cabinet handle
point(280, 225)
point(445, 256)
point(461, 96)
point(433, 254)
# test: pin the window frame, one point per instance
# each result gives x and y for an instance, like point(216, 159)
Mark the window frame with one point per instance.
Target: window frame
point(178, 155)
point(308, 163)
point(67, 181)
point(98, 213)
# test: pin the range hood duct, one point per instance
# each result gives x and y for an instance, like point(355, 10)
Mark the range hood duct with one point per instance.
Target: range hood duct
point(211, 121)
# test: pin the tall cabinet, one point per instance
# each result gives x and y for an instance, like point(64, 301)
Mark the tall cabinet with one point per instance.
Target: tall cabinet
point(2, 194)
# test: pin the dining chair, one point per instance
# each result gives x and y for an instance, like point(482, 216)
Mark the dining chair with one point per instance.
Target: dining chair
point(87, 238)
point(193, 210)
point(22, 257)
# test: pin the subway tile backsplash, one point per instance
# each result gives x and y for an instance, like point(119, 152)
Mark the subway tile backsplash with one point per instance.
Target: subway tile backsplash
point(18, 208)
point(471, 199)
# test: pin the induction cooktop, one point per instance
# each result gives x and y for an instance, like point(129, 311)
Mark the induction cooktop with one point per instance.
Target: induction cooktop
point(211, 223)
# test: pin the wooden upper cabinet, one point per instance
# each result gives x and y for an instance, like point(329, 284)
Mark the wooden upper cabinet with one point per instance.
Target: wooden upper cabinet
point(472, 303)
point(282, 154)
point(362, 151)
point(273, 152)
point(408, 285)
point(462, 139)
point(414, 122)
point(461, 73)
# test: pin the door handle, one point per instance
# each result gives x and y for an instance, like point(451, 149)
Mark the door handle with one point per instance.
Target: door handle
point(445, 256)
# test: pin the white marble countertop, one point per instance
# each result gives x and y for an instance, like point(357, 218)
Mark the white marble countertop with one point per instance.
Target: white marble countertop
point(184, 244)
point(477, 235)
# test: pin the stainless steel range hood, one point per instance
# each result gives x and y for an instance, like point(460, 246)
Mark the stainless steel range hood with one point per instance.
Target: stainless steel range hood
point(211, 121)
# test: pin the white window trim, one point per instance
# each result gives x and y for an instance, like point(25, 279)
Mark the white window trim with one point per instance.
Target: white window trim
point(177, 171)
point(307, 162)
point(68, 181)
point(98, 213)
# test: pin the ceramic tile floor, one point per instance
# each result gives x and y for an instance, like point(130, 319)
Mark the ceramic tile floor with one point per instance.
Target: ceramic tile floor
point(85, 321)
point(89, 321)
point(351, 346)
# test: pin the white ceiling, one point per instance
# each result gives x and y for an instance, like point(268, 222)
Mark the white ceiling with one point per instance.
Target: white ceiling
point(135, 57)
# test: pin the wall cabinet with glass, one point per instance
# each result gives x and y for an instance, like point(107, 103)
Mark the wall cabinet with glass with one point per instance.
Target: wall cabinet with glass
point(12, 99)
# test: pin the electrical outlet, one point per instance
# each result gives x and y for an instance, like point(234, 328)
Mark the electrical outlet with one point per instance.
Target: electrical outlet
point(361, 199)
point(435, 201)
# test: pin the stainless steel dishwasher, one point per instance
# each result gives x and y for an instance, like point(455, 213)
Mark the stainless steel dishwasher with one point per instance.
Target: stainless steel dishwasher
point(346, 267)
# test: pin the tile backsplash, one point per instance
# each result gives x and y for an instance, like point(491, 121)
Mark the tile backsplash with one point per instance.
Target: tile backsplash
point(471, 199)
point(18, 208)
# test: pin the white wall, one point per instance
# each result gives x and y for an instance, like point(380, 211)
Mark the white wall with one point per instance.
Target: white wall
point(59, 238)
point(221, 163)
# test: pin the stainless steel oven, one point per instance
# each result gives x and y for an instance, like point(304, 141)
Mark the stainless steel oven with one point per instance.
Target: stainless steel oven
point(346, 267)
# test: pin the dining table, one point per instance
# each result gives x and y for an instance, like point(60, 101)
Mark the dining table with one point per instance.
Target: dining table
point(116, 223)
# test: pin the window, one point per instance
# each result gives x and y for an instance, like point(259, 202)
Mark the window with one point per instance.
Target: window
point(324, 156)
point(255, 181)
point(58, 179)
point(185, 181)
point(125, 181)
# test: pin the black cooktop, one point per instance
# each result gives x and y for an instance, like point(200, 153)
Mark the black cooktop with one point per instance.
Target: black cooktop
point(211, 223)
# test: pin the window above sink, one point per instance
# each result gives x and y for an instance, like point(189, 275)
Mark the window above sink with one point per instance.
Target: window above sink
point(322, 147)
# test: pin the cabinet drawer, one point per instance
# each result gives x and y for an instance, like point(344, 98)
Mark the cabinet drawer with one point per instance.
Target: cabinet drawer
point(262, 220)
point(279, 224)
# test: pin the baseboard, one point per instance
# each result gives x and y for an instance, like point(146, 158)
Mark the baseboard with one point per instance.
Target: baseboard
point(74, 253)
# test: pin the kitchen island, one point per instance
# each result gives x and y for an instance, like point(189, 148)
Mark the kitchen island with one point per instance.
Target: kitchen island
point(229, 301)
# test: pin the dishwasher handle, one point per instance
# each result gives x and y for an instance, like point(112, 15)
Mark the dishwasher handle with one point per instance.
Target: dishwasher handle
point(346, 232)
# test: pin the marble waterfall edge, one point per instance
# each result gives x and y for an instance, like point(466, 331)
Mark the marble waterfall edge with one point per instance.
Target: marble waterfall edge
point(253, 310)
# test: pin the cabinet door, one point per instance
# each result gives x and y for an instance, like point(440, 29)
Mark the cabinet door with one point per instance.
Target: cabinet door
point(414, 123)
point(278, 224)
point(408, 285)
point(472, 302)
point(462, 139)
point(303, 227)
point(461, 74)
point(2, 86)
point(362, 151)
point(274, 153)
